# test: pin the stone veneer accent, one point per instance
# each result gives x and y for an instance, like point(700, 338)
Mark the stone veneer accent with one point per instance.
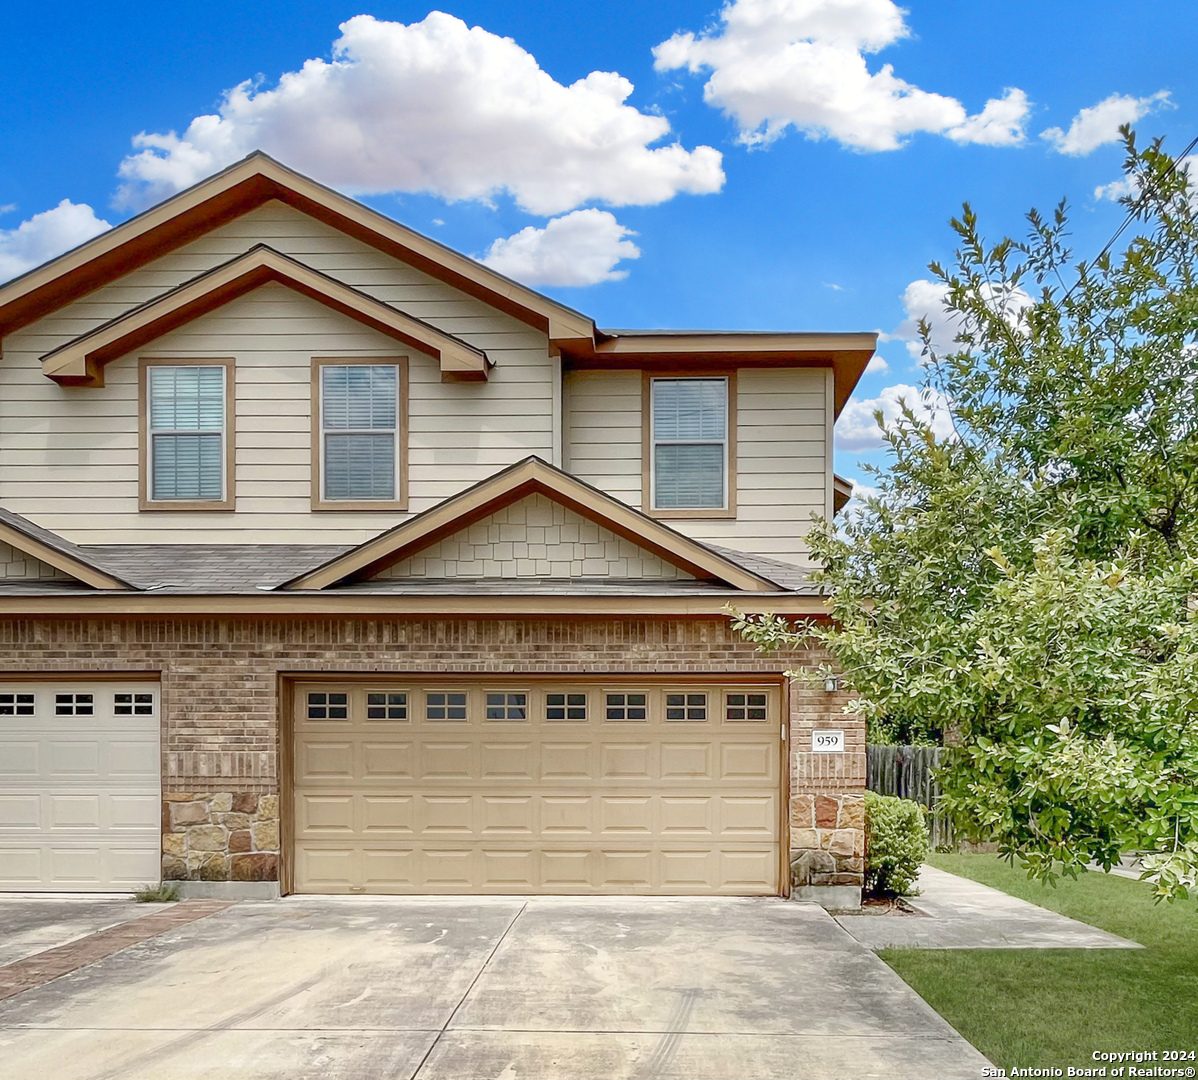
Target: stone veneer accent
point(220, 706)
point(827, 840)
point(221, 836)
point(535, 537)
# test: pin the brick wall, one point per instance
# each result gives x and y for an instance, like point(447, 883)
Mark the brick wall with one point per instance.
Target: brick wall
point(220, 679)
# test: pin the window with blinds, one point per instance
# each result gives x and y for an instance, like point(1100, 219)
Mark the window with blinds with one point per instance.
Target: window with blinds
point(689, 443)
point(186, 414)
point(359, 431)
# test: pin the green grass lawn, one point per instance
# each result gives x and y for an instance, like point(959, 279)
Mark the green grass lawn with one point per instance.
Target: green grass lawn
point(1041, 1008)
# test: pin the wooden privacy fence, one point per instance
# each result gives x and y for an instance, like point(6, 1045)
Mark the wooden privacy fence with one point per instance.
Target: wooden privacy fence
point(906, 771)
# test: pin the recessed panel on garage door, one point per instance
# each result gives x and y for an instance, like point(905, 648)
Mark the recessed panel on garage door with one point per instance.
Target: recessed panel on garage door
point(553, 786)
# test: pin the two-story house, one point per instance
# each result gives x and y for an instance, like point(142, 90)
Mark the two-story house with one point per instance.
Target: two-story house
point(333, 561)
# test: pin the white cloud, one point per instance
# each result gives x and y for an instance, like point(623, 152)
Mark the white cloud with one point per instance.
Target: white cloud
point(1116, 189)
point(779, 63)
point(1099, 124)
point(436, 107)
point(46, 235)
point(856, 428)
point(1000, 123)
point(581, 248)
point(924, 299)
point(876, 366)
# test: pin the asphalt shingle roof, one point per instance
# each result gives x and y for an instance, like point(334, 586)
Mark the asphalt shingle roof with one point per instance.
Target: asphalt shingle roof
point(207, 569)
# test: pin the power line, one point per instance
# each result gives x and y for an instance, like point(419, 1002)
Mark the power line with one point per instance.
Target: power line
point(1140, 201)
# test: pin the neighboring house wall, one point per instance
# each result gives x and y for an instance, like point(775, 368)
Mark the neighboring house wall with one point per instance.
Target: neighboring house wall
point(17, 565)
point(535, 538)
point(782, 466)
point(68, 456)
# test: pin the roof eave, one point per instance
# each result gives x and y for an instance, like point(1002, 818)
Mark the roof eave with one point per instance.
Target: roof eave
point(220, 198)
point(847, 354)
point(81, 360)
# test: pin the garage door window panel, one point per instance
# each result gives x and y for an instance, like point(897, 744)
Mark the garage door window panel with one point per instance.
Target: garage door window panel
point(686, 707)
point(446, 705)
point(328, 706)
point(566, 707)
point(133, 704)
point(387, 705)
point(624, 707)
point(17, 704)
point(749, 707)
point(507, 706)
point(74, 705)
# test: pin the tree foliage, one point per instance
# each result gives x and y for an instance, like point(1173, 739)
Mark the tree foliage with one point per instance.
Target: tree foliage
point(1026, 588)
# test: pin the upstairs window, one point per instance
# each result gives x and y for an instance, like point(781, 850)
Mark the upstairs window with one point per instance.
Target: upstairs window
point(689, 444)
point(187, 436)
point(359, 434)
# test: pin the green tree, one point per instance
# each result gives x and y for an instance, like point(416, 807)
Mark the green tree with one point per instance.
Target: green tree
point(1025, 588)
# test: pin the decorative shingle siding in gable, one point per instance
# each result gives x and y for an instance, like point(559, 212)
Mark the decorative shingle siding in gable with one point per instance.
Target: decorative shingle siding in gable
point(16, 565)
point(535, 537)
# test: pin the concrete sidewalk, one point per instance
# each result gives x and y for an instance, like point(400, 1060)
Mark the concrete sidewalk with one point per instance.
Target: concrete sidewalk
point(956, 913)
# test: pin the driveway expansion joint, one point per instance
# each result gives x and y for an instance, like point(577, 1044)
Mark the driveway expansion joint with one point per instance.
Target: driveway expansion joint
point(473, 982)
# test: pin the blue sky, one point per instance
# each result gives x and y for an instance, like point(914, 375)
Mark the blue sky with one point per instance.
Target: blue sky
point(791, 164)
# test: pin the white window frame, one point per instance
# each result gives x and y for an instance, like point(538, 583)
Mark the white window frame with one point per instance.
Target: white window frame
point(398, 498)
point(727, 509)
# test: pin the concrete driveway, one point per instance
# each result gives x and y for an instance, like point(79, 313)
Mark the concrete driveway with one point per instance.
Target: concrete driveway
point(380, 988)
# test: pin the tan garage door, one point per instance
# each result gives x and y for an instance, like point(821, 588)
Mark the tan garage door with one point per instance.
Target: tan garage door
point(552, 787)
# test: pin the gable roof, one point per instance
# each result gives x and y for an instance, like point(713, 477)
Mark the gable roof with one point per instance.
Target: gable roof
point(80, 361)
point(242, 187)
point(259, 179)
point(41, 544)
point(532, 475)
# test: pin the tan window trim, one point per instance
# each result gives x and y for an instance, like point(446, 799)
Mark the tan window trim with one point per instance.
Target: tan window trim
point(724, 513)
point(144, 502)
point(332, 505)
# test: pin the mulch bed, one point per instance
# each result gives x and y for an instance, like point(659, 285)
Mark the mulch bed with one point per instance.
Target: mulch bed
point(888, 905)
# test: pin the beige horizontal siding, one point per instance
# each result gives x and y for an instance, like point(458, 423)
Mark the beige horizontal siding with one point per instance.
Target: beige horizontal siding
point(603, 430)
point(781, 449)
point(85, 487)
point(68, 456)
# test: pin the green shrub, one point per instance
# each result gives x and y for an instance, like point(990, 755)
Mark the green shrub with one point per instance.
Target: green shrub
point(896, 843)
point(165, 892)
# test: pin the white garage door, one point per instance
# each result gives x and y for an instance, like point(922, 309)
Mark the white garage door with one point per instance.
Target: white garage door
point(79, 786)
point(537, 787)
